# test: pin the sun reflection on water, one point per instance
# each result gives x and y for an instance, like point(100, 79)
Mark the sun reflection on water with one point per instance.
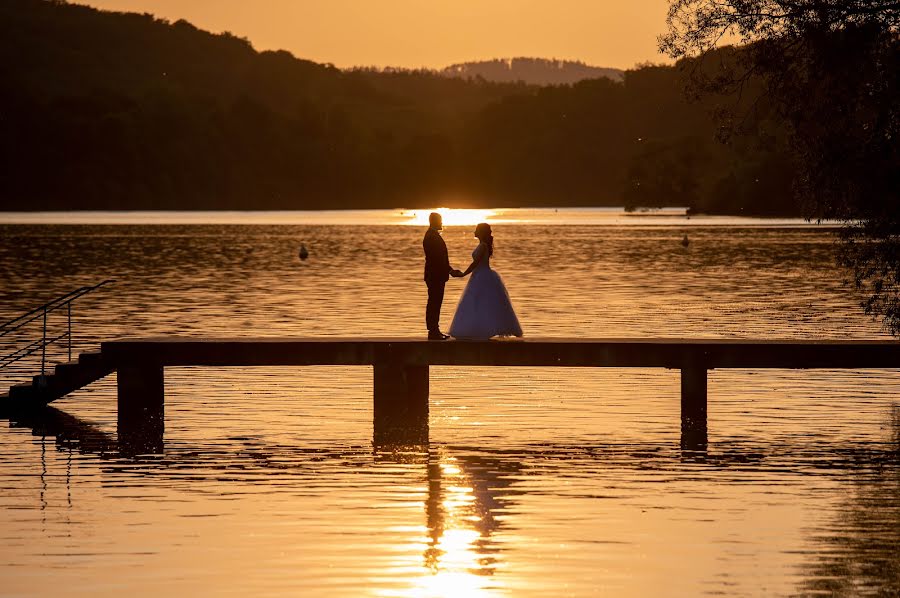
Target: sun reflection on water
point(451, 216)
point(457, 557)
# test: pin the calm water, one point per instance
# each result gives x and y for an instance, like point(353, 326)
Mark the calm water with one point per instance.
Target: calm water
point(543, 482)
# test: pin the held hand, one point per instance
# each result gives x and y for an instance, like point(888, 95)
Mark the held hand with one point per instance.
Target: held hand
point(456, 273)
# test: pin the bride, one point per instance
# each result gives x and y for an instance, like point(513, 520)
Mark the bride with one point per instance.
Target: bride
point(484, 309)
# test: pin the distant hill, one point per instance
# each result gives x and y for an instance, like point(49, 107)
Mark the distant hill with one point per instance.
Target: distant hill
point(104, 110)
point(534, 71)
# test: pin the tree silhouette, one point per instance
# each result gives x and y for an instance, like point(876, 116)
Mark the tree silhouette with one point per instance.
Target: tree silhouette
point(829, 67)
point(104, 110)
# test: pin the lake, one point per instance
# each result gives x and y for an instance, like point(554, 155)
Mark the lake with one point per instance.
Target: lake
point(535, 482)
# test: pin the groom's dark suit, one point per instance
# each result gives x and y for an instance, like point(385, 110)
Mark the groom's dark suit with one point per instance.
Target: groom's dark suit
point(437, 273)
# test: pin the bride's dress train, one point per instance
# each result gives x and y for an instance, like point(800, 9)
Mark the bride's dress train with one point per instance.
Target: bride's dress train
point(484, 309)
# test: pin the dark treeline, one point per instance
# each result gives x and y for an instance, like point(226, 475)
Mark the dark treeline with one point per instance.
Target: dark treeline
point(107, 110)
point(536, 71)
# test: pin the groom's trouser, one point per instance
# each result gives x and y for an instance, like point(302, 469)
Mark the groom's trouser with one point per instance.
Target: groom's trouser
point(435, 300)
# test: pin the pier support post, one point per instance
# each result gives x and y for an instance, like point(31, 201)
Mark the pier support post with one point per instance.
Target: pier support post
point(401, 404)
point(141, 402)
point(693, 408)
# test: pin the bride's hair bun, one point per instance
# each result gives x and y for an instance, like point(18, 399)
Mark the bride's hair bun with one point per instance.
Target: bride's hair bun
point(483, 232)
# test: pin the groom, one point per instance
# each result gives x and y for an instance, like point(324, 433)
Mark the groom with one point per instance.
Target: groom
point(437, 273)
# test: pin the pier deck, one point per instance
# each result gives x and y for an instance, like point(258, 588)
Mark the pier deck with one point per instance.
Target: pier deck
point(401, 374)
point(531, 352)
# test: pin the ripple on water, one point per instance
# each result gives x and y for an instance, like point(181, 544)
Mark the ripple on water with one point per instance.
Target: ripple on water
point(536, 481)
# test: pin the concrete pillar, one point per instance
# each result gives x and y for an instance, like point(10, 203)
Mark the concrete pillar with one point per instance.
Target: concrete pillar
point(401, 404)
point(693, 408)
point(141, 406)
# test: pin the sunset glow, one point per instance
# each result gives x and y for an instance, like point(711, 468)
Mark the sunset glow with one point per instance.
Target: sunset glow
point(452, 217)
point(432, 34)
point(464, 299)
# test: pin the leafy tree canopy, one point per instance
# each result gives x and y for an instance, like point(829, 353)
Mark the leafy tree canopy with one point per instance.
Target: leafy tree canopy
point(831, 68)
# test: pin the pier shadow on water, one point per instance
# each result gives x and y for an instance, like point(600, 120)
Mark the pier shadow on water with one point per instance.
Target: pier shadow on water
point(69, 432)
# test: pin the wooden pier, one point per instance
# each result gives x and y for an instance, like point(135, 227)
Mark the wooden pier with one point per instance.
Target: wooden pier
point(401, 375)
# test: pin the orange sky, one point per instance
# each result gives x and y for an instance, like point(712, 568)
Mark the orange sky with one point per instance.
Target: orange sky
point(430, 33)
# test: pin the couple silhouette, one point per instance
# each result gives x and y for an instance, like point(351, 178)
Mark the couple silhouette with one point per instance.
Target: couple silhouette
point(484, 309)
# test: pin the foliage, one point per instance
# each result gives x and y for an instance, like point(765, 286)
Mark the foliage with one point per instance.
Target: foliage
point(831, 69)
point(108, 110)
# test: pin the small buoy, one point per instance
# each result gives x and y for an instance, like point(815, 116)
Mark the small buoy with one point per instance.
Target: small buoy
point(685, 241)
point(303, 252)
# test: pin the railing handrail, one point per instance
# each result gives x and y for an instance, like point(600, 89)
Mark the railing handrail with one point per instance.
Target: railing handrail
point(38, 312)
point(41, 313)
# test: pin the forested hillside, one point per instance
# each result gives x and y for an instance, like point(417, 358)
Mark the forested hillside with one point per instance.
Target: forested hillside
point(535, 71)
point(107, 110)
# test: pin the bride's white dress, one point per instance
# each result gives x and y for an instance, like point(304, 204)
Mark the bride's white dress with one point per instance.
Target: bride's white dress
point(484, 309)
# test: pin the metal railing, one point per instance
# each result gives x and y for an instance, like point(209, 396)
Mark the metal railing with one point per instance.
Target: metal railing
point(41, 313)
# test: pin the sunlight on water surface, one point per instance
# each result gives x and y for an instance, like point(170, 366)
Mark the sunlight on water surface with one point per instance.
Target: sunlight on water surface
point(451, 217)
point(534, 481)
point(663, 217)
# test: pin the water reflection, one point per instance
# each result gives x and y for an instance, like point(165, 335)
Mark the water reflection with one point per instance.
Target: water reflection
point(464, 519)
point(277, 468)
point(459, 556)
point(465, 494)
point(863, 555)
point(70, 432)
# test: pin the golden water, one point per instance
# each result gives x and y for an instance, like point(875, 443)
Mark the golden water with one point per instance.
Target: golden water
point(537, 482)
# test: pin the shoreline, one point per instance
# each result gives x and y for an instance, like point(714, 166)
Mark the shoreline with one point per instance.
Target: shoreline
point(602, 216)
